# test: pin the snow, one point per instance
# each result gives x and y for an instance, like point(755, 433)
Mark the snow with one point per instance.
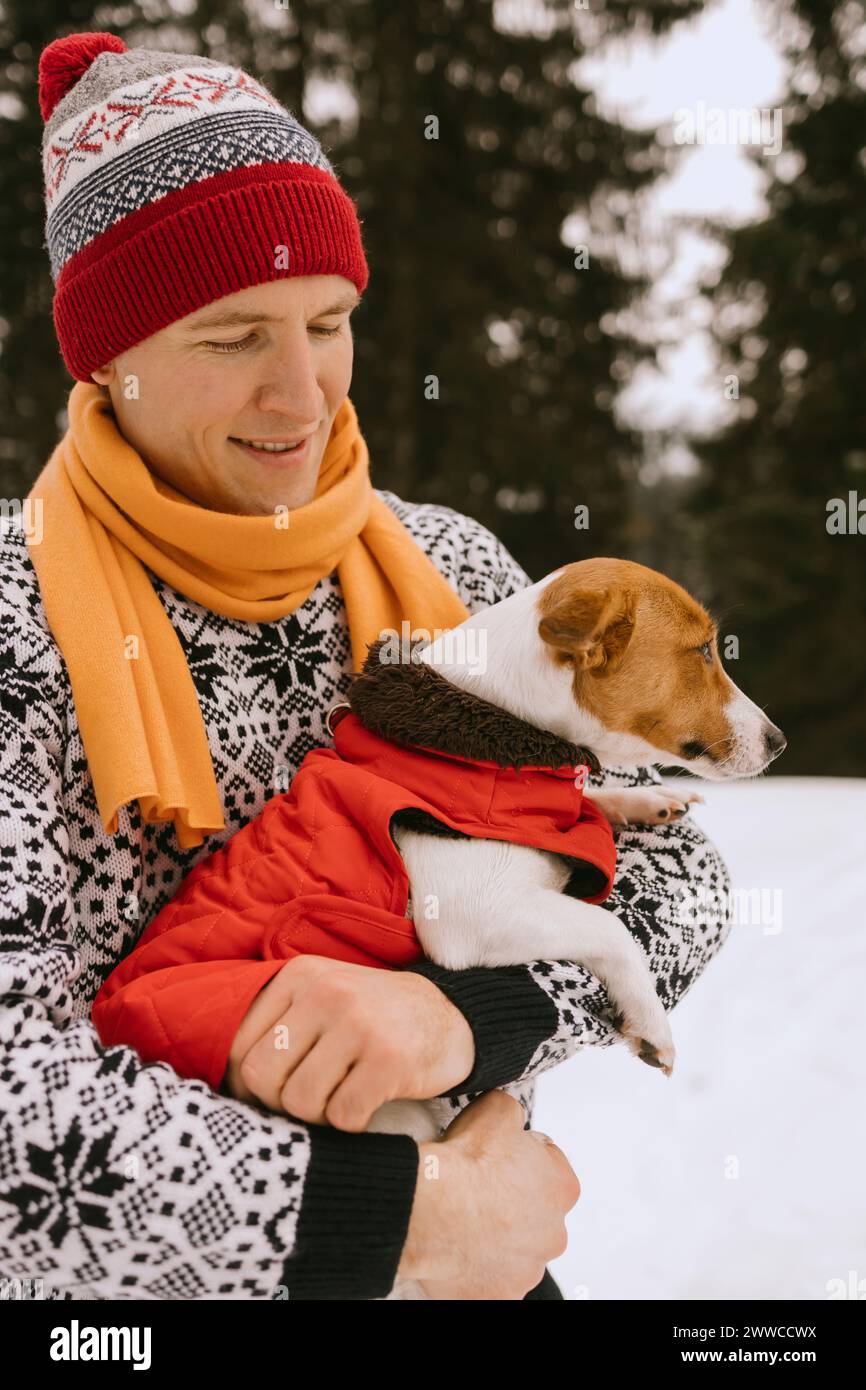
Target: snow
point(742, 1175)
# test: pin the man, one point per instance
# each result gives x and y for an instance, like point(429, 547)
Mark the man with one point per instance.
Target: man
point(191, 598)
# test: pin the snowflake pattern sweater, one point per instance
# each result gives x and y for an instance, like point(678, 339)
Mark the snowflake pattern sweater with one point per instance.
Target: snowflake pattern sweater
point(119, 1179)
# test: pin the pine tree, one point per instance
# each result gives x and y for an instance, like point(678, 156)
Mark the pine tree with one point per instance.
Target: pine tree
point(795, 287)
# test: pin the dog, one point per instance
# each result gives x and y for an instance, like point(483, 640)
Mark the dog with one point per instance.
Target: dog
point(620, 660)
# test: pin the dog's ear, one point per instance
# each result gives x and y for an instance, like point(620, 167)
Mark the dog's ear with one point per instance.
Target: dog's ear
point(591, 628)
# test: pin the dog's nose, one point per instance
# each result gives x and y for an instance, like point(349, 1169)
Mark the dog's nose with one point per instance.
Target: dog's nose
point(775, 741)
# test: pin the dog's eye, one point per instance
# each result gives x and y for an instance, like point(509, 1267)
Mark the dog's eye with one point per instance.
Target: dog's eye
point(706, 652)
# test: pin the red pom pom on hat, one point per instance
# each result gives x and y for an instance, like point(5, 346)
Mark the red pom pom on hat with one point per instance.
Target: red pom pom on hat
point(65, 60)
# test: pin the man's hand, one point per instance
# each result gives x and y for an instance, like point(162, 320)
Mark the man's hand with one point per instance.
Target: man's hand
point(330, 1042)
point(490, 1204)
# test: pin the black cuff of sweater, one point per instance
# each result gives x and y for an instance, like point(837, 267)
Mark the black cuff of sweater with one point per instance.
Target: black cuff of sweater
point(355, 1209)
point(509, 1014)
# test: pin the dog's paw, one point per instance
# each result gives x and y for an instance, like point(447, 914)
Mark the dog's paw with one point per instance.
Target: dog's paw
point(638, 1013)
point(662, 1057)
point(646, 805)
point(648, 1036)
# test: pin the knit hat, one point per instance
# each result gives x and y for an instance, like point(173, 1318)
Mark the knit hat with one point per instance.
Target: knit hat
point(172, 181)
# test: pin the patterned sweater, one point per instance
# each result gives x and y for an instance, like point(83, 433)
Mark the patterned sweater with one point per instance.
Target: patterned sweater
point(120, 1180)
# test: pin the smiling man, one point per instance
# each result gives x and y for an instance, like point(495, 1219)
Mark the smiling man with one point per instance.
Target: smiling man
point(211, 564)
point(218, 440)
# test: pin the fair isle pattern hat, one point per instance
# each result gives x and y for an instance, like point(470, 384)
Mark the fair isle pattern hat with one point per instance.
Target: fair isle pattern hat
point(172, 181)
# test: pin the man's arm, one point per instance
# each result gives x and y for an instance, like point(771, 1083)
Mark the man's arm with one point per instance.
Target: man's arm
point(119, 1179)
point(525, 1019)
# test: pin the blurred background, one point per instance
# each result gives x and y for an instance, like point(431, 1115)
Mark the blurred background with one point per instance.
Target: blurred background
point(597, 283)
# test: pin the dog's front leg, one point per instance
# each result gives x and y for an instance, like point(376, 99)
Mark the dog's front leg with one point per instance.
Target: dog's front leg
point(643, 805)
point(496, 904)
point(555, 926)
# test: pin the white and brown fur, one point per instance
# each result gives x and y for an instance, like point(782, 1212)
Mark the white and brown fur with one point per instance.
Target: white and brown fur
point(604, 655)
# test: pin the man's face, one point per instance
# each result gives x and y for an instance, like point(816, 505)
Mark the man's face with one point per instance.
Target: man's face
point(280, 371)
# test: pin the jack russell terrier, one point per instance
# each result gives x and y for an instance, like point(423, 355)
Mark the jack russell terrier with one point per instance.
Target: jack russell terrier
point(614, 658)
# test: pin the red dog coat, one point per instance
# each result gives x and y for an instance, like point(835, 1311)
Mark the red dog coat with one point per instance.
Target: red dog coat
point(318, 872)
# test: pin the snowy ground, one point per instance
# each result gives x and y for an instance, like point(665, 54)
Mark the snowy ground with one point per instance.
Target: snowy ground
point(742, 1176)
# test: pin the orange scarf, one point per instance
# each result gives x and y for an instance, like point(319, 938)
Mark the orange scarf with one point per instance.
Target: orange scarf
point(105, 516)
